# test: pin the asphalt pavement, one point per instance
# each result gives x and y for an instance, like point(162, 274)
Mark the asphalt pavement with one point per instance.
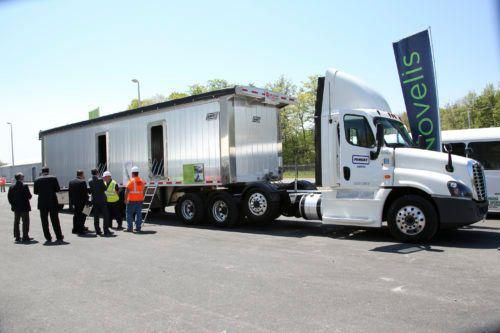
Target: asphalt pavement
point(292, 276)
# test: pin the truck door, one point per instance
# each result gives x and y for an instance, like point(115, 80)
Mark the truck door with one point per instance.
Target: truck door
point(357, 140)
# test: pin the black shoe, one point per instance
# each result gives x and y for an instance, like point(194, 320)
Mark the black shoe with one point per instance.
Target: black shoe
point(99, 232)
point(108, 233)
point(119, 227)
point(17, 240)
point(128, 230)
point(27, 239)
point(59, 241)
point(138, 230)
point(48, 242)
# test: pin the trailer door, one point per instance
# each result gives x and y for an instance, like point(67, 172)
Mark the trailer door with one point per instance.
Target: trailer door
point(102, 152)
point(156, 138)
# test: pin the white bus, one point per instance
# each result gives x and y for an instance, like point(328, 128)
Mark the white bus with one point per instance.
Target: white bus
point(483, 145)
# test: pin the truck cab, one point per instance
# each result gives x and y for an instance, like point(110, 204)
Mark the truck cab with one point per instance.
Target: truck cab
point(371, 171)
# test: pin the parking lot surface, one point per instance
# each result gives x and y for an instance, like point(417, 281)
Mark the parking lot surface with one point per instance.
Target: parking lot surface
point(292, 276)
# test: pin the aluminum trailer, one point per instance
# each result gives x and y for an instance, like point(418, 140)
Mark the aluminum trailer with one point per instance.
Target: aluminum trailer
point(225, 138)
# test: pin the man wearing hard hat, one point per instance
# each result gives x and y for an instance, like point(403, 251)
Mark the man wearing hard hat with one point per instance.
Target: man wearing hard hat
point(112, 200)
point(134, 196)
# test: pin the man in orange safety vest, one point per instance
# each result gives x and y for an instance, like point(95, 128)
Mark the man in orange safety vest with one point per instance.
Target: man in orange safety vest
point(134, 196)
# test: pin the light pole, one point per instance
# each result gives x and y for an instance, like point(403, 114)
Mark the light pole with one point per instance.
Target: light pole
point(138, 91)
point(11, 143)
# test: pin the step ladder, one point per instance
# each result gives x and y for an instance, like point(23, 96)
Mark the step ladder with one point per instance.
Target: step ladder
point(149, 195)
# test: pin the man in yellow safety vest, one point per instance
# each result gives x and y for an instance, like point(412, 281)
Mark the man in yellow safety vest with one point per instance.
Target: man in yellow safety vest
point(113, 200)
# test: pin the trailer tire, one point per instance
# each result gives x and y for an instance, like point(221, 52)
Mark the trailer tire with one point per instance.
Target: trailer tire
point(190, 208)
point(412, 218)
point(258, 207)
point(223, 210)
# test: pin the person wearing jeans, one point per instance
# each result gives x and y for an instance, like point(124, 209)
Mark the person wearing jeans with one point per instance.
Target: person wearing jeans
point(134, 196)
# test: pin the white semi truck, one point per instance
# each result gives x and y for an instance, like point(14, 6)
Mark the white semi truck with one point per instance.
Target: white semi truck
point(218, 156)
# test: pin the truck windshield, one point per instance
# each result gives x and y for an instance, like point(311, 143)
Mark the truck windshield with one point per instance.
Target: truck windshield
point(395, 133)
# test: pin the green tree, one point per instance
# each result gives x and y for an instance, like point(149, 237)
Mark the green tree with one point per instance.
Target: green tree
point(196, 89)
point(483, 110)
point(176, 95)
point(158, 98)
point(217, 84)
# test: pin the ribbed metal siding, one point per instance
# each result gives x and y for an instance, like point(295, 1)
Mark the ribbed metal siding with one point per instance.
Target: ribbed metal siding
point(257, 147)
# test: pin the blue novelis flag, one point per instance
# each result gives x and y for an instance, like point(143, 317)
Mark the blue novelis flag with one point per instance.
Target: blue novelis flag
point(416, 73)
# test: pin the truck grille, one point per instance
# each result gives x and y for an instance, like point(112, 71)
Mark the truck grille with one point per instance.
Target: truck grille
point(479, 183)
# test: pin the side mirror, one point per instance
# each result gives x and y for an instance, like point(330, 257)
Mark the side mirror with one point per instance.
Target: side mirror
point(449, 166)
point(380, 142)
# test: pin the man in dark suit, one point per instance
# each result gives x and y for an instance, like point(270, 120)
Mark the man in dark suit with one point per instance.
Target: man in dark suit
point(78, 198)
point(46, 187)
point(98, 189)
point(19, 198)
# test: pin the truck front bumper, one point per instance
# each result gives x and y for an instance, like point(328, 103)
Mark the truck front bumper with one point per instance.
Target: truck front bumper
point(454, 212)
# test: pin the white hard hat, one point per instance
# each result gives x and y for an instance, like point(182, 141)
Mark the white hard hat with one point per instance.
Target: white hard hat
point(135, 169)
point(106, 174)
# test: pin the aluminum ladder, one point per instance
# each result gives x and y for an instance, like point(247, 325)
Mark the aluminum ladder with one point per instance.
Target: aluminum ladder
point(149, 195)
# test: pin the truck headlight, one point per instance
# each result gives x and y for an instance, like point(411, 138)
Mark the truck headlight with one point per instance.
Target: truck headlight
point(459, 190)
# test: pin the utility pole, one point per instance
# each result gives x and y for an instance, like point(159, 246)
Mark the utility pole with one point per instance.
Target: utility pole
point(11, 143)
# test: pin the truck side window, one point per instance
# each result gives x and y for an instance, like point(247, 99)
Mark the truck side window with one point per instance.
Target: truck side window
point(457, 148)
point(358, 131)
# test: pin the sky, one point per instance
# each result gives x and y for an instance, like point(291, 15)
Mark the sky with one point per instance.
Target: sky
point(61, 58)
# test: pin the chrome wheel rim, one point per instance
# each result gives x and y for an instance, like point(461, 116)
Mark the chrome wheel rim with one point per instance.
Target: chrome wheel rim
point(257, 204)
point(410, 220)
point(220, 211)
point(187, 209)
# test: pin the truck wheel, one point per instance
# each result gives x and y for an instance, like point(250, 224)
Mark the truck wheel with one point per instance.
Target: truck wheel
point(190, 208)
point(258, 208)
point(412, 218)
point(222, 210)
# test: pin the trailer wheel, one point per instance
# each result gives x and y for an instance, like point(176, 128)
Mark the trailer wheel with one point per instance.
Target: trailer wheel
point(190, 208)
point(412, 218)
point(223, 210)
point(258, 207)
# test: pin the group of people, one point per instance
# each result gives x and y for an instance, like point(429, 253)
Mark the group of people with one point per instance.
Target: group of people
point(100, 193)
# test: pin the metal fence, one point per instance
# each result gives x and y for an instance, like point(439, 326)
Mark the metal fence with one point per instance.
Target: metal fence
point(299, 171)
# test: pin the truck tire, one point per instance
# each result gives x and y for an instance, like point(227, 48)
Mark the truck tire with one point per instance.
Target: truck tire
point(191, 208)
point(412, 218)
point(258, 207)
point(223, 210)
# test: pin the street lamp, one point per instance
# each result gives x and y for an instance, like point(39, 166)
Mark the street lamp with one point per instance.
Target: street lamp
point(11, 143)
point(138, 91)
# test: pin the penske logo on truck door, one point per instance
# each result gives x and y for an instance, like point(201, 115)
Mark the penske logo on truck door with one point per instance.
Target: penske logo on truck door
point(360, 159)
